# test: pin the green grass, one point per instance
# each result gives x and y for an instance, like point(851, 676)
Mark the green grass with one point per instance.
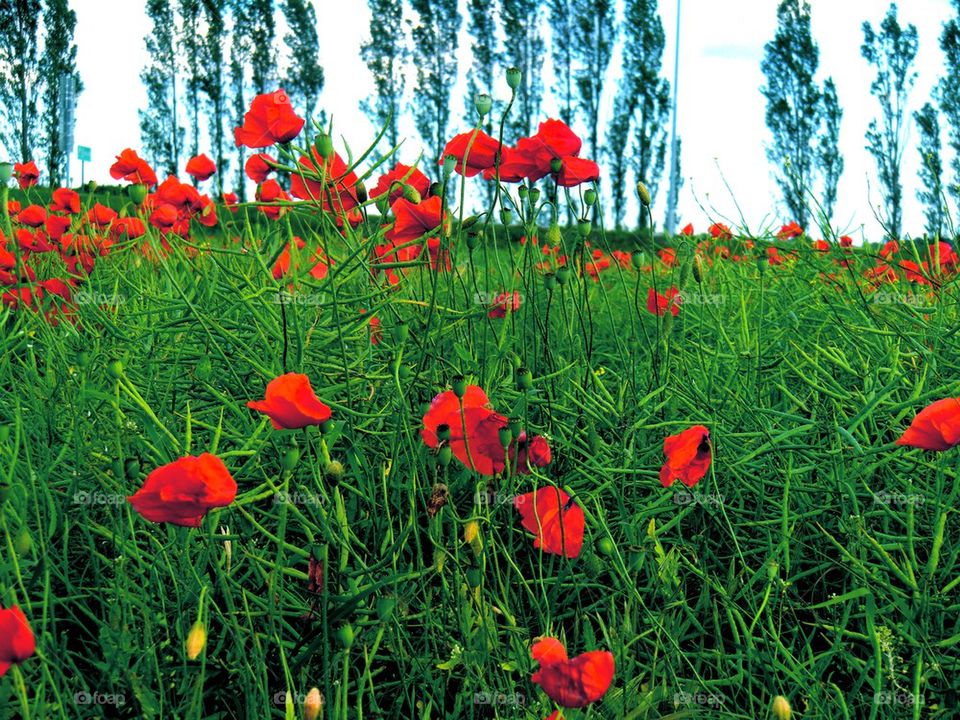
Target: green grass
point(816, 560)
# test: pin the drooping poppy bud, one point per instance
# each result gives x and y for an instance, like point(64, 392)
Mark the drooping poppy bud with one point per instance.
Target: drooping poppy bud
point(644, 194)
point(196, 640)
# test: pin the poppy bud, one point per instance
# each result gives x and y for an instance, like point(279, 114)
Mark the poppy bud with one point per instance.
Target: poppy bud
point(762, 263)
point(333, 470)
point(781, 708)
point(515, 427)
point(115, 369)
point(400, 332)
point(471, 531)
point(605, 545)
point(513, 77)
point(6, 172)
point(324, 146)
point(522, 191)
point(685, 272)
point(403, 372)
point(553, 235)
point(483, 103)
point(290, 459)
point(459, 386)
point(361, 191)
point(506, 436)
point(327, 427)
point(584, 227)
point(83, 359)
point(505, 216)
point(312, 704)
point(383, 204)
point(550, 282)
point(436, 189)
point(473, 239)
point(556, 165)
point(443, 432)
point(385, 608)
point(636, 259)
point(345, 635)
point(524, 379)
point(534, 195)
point(644, 194)
point(563, 274)
point(196, 640)
point(444, 456)
point(131, 468)
point(590, 197)
point(698, 269)
point(449, 164)
point(23, 542)
point(92, 186)
point(137, 193)
point(469, 222)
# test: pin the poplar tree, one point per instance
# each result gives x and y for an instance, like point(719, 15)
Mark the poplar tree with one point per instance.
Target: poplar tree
point(931, 169)
point(562, 24)
point(523, 49)
point(829, 159)
point(594, 34)
point(240, 56)
point(161, 134)
point(304, 77)
point(948, 92)
point(793, 104)
point(61, 82)
point(189, 42)
point(212, 81)
point(481, 76)
point(892, 52)
point(384, 54)
point(263, 57)
point(19, 76)
point(435, 44)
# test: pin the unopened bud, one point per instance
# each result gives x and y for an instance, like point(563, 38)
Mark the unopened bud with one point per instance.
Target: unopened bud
point(471, 531)
point(584, 227)
point(553, 235)
point(556, 165)
point(484, 103)
point(196, 640)
point(781, 708)
point(644, 194)
point(6, 172)
point(137, 193)
point(312, 704)
point(324, 146)
point(698, 269)
point(361, 191)
point(514, 76)
point(449, 165)
point(411, 194)
point(590, 197)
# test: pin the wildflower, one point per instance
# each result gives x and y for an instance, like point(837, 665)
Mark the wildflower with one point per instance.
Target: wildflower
point(393, 183)
point(270, 120)
point(688, 456)
point(555, 520)
point(65, 200)
point(196, 640)
point(936, 427)
point(27, 175)
point(131, 167)
point(16, 638)
point(482, 155)
point(258, 167)
point(659, 304)
point(572, 683)
point(183, 491)
point(290, 403)
point(200, 167)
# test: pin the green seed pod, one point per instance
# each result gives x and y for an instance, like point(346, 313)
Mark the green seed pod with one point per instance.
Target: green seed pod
point(590, 197)
point(605, 546)
point(444, 455)
point(115, 369)
point(515, 426)
point(83, 359)
point(137, 193)
point(23, 543)
point(400, 332)
point(550, 282)
point(443, 432)
point(459, 385)
point(506, 215)
point(534, 195)
point(6, 172)
point(328, 427)
point(473, 239)
point(116, 467)
point(636, 259)
point(436, 189)
point(483, 103)
point(290, 459)
point(131, 468)
point(522, 191)
point(514, 76)
point(346, 635)
point(412, 194)
point(556, 165)
point(449, 165)
point(563, 274)
point(524, 379)
point(506, 436)
point(403, 372)
point(584, 227)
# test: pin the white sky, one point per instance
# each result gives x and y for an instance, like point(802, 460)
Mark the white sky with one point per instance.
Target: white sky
point(721, 109)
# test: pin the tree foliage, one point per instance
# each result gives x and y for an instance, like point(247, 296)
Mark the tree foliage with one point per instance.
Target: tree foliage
point(594, 35)
point(385, 54)
point(830, 161)
point(19, 76)
point(892, 52)
point(61, 84)
point(304, 78)
point(435, 43)
point(931, 168)
point(160, 132)
point(524, 50)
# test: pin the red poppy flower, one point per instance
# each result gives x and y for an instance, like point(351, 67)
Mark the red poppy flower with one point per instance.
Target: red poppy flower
point(181, 195)
point(514, 166)
point(258, 167)
point(16, 638)
point(936, 427)
point(339, 190)
point(65, 200)
point(270, 120)
point(472, 423)
point(183, 491)
point(32, 216)
point(890, 248)
point(101, 215)
point(846, 241)
point(719, 231)
point(687, 230)
point(131, 167)
point(600, 263)
point(37, 242)
point(773, 256)
point(946, 253)
point(230, 199)
point(524, 453)
point(394, 181)
point(413, 221)
point(916, 273)
point(56, 226)
point(320, 263)
point(132, 227)
point(668, 256)
point(446, 407)
point(200, 167)
point(688, 456)
point(789, 231)
point(164, 217)
point(574, 170)
point(290, 403)
point(659, 304)
point(624, 259)
point(376, 328)
point(482, 152)
point(555, 520)
point(269, 192)
point(26, 173)
point(821, 246)
point(505, 302)
point(572, 683)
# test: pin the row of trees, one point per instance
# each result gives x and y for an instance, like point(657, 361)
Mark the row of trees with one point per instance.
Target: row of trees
point(510, 33)
point(38, 81)
point(207, 60)
point(804, 119)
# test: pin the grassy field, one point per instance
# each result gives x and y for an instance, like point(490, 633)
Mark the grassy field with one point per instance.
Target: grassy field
point(816, 559)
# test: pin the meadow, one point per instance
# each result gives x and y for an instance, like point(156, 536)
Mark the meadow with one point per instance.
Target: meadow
point(674, 460)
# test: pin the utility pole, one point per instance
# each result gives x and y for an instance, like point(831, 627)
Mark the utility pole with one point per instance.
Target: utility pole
point(674, 159)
